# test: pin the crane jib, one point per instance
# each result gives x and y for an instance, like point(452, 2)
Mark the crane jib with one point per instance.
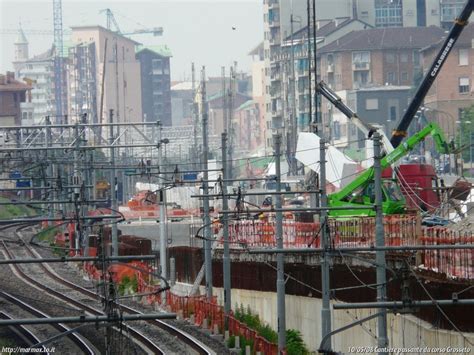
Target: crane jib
point(442, 57)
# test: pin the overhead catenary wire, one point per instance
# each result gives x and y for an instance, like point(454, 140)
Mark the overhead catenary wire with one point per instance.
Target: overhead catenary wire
point(437, 305)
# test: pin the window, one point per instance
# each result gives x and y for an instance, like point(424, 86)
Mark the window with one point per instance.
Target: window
point(388, 13)
point(360, 58)
point(404, 57)
point(392, 113)
point(390, 57)
point(371, 104)
point(463, 56)
point(337, 130)
point(463, 85)
point(416, 58)
point(330, 59)
point(404, 76)
point(390, 77)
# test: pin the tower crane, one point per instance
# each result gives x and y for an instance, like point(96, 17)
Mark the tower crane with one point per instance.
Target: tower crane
point(156, 31)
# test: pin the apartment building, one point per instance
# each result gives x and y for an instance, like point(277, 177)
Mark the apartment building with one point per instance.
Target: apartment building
point(375, 57)
point(83, 81)
point(248, 135)
point(258, 97)
point(452, 92)
point(218, 109)
point(122, 88)
point(295, 49)
point(280, 18)
point(375, 60)
point(155, 83)
point(12, 94)
point(408, 13)
point(38, 71)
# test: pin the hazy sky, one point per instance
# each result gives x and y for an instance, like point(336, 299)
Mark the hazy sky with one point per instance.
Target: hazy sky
point(195, 30)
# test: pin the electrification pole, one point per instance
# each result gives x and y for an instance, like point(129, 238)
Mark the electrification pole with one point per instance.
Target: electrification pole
point(326, 245)
point(162, 203)
point(382, 340)
point(113, 187)
point(49, 170)
point(293, 119)
point(205, 188)
point(76, 181)
point(281, 309)
point(226, 258)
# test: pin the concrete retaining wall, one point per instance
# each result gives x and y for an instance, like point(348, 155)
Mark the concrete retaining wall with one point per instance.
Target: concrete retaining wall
point(178, 233)
point(303, 314)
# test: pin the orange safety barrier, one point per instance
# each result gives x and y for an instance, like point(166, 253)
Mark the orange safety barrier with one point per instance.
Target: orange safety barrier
point(237, 328)
point(454, 263)
point(359, 231)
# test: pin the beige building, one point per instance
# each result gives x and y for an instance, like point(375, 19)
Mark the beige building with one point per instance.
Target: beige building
point(122, 88)
point(452, 91)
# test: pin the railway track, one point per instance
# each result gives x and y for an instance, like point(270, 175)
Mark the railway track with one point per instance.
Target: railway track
point(78, 340)
point(148, 345)
point(26, 335)
point(168, 333)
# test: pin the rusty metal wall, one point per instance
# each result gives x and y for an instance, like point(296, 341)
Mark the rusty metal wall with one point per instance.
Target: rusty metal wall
point(260, 276)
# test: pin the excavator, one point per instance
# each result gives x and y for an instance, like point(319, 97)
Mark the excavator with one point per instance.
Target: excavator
point(360, 192)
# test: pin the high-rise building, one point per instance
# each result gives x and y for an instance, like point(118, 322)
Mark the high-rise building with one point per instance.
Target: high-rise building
point(258, 96)
point(280, 17)
point(155, 83)
point(82, 78)
point(408, 13)
point(121, 82)
point(39, 72)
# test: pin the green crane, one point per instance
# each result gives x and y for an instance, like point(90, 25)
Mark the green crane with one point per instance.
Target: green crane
point(360, 192)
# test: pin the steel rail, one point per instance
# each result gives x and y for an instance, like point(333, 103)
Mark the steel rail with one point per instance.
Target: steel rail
point(135, 334)
point(22, 331)
point(186, 338)
point(75, 338)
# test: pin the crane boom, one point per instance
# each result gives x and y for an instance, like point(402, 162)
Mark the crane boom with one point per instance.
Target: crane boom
point(400, 132)
point(366, 128)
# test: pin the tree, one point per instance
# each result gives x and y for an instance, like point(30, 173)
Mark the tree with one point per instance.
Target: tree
point(465, 137)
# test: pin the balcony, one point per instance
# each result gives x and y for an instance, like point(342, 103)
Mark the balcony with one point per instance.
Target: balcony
point(275, 39)
point(273, 4)
point(360, 66)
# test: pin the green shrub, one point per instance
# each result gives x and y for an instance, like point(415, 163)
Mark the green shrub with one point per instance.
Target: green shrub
point(294, 340)
point(268, 333)
point(231, 342)
point(294, 343)
point(128, 286)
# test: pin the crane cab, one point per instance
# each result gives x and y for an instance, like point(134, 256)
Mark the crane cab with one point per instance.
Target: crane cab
point(393, 201)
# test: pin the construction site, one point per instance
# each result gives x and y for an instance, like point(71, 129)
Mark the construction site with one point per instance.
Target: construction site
point(123, 233)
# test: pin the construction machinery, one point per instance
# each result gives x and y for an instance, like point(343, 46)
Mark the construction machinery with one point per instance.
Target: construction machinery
point(367, 129)
point(360, 192)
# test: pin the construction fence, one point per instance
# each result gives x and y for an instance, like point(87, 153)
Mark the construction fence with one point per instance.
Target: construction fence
point(203, 312)
point(399, 230)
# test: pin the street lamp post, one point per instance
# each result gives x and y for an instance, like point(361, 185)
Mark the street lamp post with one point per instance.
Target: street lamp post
point(470, 146)
point(459, 133)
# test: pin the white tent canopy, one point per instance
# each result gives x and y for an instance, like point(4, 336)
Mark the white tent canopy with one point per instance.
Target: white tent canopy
point(339, 167)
